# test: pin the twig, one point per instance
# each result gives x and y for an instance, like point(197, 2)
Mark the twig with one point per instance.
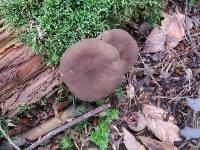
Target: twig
point(148, 71)
point(141, 83)
point(67, 125)
point(192, 42)
point(8, 138)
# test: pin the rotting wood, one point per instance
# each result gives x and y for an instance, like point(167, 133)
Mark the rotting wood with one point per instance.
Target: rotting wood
point(24, 79)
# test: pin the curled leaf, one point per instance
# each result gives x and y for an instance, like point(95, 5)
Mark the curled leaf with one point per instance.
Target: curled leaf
point(155, 41)
point(155, 120)
point(174, 26)
point(140, 124)
point(165, 131)
point(152, 144)
point(130, 142)
point(168, 35)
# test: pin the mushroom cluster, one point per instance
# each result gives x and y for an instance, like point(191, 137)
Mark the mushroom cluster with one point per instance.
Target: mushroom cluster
point(92, 68)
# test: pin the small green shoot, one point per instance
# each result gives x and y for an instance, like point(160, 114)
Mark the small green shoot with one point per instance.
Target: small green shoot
point(193, 2)
point(140, 10)
point(111, 114)
point(23, 108)
point(65, 143)
point(118, 90)
point(100, 102)
point(78, 127)
point(3, 124)
point(100, 136)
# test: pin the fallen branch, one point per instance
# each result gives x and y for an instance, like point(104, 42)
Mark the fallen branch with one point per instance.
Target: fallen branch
point(8, 138)
point(51, 124)
point(67, 125)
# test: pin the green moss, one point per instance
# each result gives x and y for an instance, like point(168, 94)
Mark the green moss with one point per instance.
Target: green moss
point(4, 125)
point(54, 25)
point(118, 90)
point(65, 143)
point(57, 24)
point(141, 10)
point(24, 108)
point(100, 136)
point(78, 127)
point(100, 102)
point(193, 2)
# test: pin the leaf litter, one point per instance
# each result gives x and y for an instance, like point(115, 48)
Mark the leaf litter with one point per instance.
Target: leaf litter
point(153, 118)
point(168, 35)
point(152, 144)
point(130, 142)
point(167, 108)
point(162, 109)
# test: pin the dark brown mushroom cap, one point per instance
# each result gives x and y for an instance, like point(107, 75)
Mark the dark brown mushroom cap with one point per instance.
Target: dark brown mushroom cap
point(125, 44)
point(91, 69)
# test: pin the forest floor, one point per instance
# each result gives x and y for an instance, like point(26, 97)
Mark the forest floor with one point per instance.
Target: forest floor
point(158, 99)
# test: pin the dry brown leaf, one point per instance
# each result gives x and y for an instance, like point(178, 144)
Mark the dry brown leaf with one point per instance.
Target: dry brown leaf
point(154, 112)
point(130, 142)
point(174, 27)
point(152, 144)
point(141, 124)
point(168, 35)
point(154, 119)
point(165, 131)
point(155, 42)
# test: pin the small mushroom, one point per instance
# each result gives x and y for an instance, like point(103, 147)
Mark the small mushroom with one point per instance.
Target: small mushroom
point(91, 69)
point(125, 44)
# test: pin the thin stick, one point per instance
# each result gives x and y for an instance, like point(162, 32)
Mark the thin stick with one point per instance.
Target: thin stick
point(191, 40)
point(8, 138)
point(67, 125)
point(148, 71)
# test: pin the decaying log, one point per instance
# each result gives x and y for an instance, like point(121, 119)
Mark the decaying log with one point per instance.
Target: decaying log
point(24, 79)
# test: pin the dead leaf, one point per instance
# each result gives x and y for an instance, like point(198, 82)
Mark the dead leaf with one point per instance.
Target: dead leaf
point(168, 35)
point(157, 121)
point(130, 142)
point(141, 124)
point(164, 130)
point(154, 112)
point(152, 144)
point(54, 146)
point(155, 42)
point(174, 27)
